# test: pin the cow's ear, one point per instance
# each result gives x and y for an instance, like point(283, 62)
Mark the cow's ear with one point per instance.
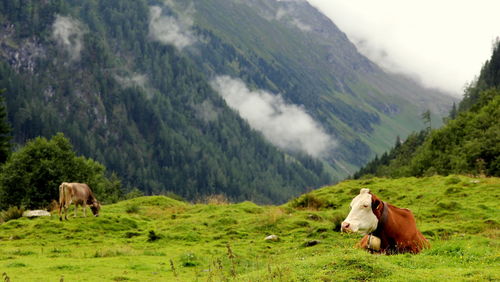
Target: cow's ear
point(376, 204)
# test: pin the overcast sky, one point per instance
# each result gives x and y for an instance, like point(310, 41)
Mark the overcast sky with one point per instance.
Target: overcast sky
point(444, 43)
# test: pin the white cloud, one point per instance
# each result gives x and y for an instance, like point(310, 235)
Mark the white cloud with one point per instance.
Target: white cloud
point(171, 30)
point(444, 43)
point(68, 33)
point(285, 125)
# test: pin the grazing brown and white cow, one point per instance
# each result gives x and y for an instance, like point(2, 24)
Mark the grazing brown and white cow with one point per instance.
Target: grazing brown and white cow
point(393, 229)
point(78, 194)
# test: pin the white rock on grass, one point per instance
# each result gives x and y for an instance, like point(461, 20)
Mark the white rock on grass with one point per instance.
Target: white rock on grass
point(272, 238)
point(36, 213)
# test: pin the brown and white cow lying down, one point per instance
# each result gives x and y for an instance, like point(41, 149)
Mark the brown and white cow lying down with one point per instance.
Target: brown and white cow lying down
point(78, 194)
point(395, 227)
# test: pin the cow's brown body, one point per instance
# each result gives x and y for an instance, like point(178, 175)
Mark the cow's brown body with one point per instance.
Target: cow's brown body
point(78, 194)
point(396, 229)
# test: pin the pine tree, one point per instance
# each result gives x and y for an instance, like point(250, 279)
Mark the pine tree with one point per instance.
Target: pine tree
point(5, 130)
point(426, 117)
point(454, 111)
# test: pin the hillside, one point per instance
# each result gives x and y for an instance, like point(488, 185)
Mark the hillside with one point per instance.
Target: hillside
point(467, 143)
point(137, 106)
point(157, 238)
point(142, 87)
point(291, 49)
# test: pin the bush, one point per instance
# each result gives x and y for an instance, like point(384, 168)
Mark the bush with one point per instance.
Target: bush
point(32, 175)
point(152, 236)
point(11, 213)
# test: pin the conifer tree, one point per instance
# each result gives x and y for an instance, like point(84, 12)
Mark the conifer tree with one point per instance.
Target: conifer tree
point(5, 131)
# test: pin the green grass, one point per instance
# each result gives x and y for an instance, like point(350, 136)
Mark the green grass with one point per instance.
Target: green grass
point(459, 215)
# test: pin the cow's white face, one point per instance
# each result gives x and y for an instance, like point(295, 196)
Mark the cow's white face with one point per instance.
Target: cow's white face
point(361, 218)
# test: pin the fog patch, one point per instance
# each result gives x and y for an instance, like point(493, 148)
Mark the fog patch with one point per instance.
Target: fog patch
point(68, 33)
point(287, 126)
point(300, 25)
point(134, 80)
point(170, 29)
point(287, 15)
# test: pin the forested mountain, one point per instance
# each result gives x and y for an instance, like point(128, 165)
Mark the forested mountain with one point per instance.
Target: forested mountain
point(288, 47)
point(468, 143)
point(88, 69)
point(137, 85)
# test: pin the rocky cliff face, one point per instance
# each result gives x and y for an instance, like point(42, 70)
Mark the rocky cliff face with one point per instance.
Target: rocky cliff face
point(21, 55)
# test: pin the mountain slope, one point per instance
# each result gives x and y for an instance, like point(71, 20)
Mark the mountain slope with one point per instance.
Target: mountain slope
point(133, 84)
point(467, 143)
point(138, 106)
point(289, 48)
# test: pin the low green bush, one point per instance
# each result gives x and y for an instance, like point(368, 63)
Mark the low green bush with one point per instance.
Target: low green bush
point(11, 213)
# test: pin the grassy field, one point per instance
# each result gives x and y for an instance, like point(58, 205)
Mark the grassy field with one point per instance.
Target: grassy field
point(160, 239)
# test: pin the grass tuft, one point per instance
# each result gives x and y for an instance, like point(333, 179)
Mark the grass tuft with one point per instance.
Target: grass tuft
point(11, 213)
point(133, 208)
point(152, 236)
point(308, 201)
point(452, 180)
point(189, 260)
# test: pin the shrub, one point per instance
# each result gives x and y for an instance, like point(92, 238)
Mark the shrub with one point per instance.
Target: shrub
point(152, 236)
point(11, 213)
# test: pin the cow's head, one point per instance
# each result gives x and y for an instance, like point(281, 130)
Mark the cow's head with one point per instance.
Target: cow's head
point(361, 218)
point(95, 207)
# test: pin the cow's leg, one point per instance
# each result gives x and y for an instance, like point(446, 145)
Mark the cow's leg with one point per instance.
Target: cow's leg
point(76, 208)
point(66, 205)
point(84, 207)
point(60, 209)
point(65, 211)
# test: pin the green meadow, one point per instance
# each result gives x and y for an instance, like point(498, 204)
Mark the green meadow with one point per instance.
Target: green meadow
point(160, 239)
